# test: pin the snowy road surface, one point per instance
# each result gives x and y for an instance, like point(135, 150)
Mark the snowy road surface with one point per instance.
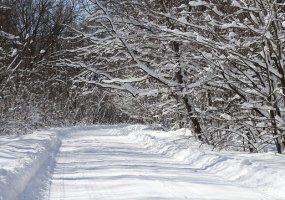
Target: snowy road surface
point(132, 163)
point(106, 164)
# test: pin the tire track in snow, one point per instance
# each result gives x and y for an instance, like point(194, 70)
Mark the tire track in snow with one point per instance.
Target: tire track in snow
point(62, 184)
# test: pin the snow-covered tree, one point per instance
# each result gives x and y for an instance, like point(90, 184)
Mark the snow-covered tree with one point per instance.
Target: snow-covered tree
point(217, 65)
point(32, 94)
point(248, 54)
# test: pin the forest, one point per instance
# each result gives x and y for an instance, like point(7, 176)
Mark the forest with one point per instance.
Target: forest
point(213, 66)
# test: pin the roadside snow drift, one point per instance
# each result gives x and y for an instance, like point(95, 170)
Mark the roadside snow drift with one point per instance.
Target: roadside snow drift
point(21, 157)
point(264, 172)
point(132, 162)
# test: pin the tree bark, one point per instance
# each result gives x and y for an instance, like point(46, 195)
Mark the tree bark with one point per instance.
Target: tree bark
point(185, 98)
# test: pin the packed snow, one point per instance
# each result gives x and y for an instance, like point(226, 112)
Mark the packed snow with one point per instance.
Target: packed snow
point(132, 162)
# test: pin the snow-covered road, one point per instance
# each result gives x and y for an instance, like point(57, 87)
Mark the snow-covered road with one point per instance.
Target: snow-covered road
point(132, 163)
point(107, 164)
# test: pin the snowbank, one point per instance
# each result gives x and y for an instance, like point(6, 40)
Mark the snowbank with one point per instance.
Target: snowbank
point(20, 159)
point(263, 172)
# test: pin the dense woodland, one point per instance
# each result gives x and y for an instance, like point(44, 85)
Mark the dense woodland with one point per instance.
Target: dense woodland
point(214, 66)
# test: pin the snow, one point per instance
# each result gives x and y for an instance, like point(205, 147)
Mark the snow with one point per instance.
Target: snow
point(283, 24)
point(226, 116)
point(127, 80)
point(198, 3)
point(132, 162)
point(4, 7)
point(21, 158)
point(268, 35)
point(8, 35)
point(263, 172)
point(235, 3)
point(14, 52)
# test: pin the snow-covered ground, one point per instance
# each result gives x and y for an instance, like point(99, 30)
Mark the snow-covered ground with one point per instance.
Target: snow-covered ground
point(131, 162)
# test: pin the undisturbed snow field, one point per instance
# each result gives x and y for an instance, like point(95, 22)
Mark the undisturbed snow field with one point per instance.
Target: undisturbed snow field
point(131, 162)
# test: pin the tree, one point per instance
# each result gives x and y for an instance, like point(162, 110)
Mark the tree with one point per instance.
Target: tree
point(253, 67)
point(216, 65)
point(33, 94)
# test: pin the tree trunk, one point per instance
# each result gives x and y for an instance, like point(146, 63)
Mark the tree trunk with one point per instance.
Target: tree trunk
point(277, 142)
point(185, 98)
